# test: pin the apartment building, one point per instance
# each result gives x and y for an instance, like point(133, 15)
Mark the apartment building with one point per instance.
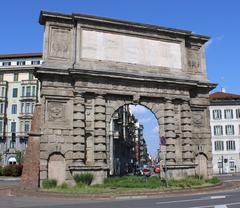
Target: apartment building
point(19, 91)
point(225, 128)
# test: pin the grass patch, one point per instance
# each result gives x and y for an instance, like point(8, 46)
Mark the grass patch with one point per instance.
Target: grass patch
point(134, 184)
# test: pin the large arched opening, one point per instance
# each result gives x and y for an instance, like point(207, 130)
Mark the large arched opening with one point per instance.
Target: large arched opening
point(133, 140)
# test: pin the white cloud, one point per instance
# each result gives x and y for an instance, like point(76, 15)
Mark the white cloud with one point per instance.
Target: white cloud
point(155, 130)
point(137, 109)
point(144, 120)
point(216, 39)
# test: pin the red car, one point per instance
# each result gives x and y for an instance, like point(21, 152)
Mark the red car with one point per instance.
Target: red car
point(157, 169)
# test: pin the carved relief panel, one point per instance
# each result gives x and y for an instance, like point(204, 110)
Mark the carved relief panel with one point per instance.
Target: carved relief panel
point(60, 45)
point(193, 60)
point(58, 114)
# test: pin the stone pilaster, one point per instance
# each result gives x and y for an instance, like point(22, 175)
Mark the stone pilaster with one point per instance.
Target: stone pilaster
point(100, 131)
point(89, 129)
point(187, 147)
point(79, 145)
point(170, 131)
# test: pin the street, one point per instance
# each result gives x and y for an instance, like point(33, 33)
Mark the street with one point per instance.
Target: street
point(214, 200)
point(219, 199)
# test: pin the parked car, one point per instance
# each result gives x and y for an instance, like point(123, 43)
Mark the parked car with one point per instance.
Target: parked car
point(157, 169)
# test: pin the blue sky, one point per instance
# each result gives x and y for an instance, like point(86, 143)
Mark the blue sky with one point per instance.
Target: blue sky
point(219, 19)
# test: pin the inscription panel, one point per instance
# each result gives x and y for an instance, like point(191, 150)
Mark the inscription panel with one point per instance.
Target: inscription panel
point(123, 48)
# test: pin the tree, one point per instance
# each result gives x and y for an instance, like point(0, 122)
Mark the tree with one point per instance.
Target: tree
point(19, 156)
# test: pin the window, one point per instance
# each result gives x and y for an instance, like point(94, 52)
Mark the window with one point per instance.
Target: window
point(228, 114)
point(30, 76)
point(231, 164)
point(23, 91)
point(28, 91)
point(33, 107)
point(14, 108)
point(229, 129)
point(1, 77)
point(6, 63)
point(217, 114)
point(15, 78)
point(21, 63)
point(218, 145)
point(35, 62)
point(1, 108)
point(237, 113)
point(13, 126)
point(33, 91)
point(27, 108)
point(231, 145)
point(1, 125)
point(26, 126)
point(218, 130)
point(2, 92)
point(15, 92)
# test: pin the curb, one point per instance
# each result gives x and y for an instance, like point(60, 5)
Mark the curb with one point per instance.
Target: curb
point(221, 187)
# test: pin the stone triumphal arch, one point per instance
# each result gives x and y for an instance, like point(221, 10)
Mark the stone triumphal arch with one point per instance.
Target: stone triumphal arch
point(94, 65)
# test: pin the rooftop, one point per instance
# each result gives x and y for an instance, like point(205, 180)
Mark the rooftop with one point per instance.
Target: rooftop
point(224, 96)
point(20, 55)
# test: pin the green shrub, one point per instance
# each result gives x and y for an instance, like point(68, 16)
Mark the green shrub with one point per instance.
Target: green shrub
point(213, 180)
point(12, 170)
point(64, 185)
point(49, 183)
point(84, 178)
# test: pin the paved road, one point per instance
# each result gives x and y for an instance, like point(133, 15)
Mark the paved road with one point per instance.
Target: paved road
point(215, 200)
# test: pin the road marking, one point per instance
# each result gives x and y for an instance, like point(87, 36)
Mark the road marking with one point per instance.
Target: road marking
point(218, 205)
point(190, 200)
point(185, 200)
point(217, 197)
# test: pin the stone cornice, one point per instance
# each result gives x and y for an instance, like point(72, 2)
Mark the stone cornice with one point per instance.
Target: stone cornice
point(90, 19)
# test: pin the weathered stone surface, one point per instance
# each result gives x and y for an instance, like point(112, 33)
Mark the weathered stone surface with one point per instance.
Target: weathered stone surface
point(78, 106)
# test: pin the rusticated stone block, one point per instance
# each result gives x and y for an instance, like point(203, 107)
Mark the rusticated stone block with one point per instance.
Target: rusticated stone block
point(79, 108)
point(78, 155)
point(78, 139)
point(44, 155)
point(170, 134)
point(168, 113)
point(186, 127)
point(100, 147)
point(78, 123)
point(78, 116)
point(100, 116)
point(100, 109)
point(186, 134)
point(186, 121)
point(100, 155)
point(57, 131)
point(78, 131)
point(169, 120)
point(100, 124)
point(100, 101)
point(43, 175)
point(47, 131)
point(68, 155)
point(100, 139)
point(100, 132)
point(169, 127)
point(78, 147)
point(186, 114)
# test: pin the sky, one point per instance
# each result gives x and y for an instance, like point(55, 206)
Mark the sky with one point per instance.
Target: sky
point(20, 31)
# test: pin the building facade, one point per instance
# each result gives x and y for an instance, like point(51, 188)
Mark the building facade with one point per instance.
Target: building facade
point(19, 91)
point(128, 149)
point(225, 128)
